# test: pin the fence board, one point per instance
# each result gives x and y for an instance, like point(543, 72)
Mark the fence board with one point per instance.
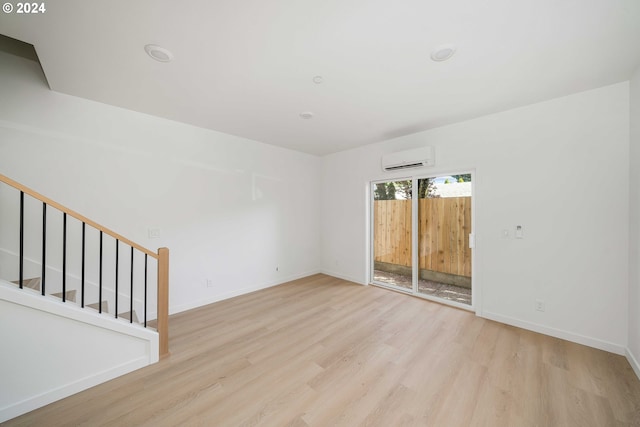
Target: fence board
point(424, 233)
point(467, 231)
point(460, 236)
point(407, 233)
point(444, 225)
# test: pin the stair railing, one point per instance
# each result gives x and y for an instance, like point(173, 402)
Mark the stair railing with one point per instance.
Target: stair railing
point(162, 257)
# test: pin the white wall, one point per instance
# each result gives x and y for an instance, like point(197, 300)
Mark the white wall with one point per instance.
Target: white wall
point(559, 168)
point(634, 225)
point(230, 209)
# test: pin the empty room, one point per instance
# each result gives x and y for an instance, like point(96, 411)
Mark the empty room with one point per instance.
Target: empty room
point(293, 213)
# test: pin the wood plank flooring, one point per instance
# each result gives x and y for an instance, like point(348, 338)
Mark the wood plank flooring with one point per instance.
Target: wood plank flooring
point(320, 351)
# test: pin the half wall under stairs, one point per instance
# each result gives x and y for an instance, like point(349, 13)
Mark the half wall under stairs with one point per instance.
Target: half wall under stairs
point(60, 349)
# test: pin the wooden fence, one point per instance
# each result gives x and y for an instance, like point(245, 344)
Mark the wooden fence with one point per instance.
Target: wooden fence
point(444, 225)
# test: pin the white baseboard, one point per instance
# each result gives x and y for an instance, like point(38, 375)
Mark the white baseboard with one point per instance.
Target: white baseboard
point(557, 333)
point(221, 297)
point(61, 392)
point(343, 277)
point(633, 362)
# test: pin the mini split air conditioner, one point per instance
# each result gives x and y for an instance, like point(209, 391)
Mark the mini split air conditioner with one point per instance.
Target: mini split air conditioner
point(417, 158)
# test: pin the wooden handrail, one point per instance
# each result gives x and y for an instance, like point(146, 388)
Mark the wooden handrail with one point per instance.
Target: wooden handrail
point(162, 256)
point(76, 215)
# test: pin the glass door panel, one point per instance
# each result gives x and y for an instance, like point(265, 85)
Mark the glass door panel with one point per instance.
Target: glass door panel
point(444, 224)
point(392, 234)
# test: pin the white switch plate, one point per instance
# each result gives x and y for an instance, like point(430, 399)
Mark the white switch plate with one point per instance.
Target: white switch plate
point(154, 233)
point(519, 232)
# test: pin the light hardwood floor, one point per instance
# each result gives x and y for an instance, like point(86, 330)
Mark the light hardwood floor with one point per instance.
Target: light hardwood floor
point(321, 352)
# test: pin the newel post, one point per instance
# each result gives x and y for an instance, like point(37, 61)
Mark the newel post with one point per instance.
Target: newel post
point(163, 300)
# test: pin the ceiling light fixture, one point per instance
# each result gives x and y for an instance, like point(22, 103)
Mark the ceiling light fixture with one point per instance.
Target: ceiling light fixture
point(158, 53)
point(443, 52)
point(306, 115)
point(318, 79)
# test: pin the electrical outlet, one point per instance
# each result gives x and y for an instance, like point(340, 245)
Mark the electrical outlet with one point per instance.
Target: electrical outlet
point(209, 283)
point(540, 305)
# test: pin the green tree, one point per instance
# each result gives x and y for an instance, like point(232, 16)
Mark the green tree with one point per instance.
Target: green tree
point(426, 188)
point(385, 191)
point(405, 189)
point(380, 192)
point(466, 177)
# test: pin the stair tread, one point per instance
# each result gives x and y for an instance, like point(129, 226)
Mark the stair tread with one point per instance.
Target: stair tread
point(71, 295)
point(105, 306)
point(32, 283)
point(126, 315)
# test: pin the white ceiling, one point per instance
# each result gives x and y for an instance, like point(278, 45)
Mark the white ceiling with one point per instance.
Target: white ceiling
point(245, 67)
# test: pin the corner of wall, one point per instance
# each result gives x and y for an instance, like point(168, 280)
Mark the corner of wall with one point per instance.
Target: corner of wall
point(633, 309)
point(633, 362)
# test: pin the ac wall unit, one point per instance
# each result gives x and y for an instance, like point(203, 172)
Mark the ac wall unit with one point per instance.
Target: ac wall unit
point(416, 158)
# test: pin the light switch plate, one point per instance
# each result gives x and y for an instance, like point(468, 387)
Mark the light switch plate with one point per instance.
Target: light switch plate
point(154, 233)
point(519, 232)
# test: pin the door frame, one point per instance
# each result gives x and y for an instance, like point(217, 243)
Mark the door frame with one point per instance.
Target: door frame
point(475, 291)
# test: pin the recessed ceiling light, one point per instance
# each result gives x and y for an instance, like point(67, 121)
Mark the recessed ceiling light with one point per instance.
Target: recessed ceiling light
point(158, 53)
point(318, 79)
point(443, 52)
point(306, 115)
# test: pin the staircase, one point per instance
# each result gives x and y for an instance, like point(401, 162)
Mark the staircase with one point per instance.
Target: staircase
point(111, 249)
point(73, 301)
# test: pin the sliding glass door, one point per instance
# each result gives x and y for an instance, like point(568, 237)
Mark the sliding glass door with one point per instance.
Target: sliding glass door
point(420, 237)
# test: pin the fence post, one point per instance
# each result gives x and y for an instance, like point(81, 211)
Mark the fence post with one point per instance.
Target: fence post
point(163, 300)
